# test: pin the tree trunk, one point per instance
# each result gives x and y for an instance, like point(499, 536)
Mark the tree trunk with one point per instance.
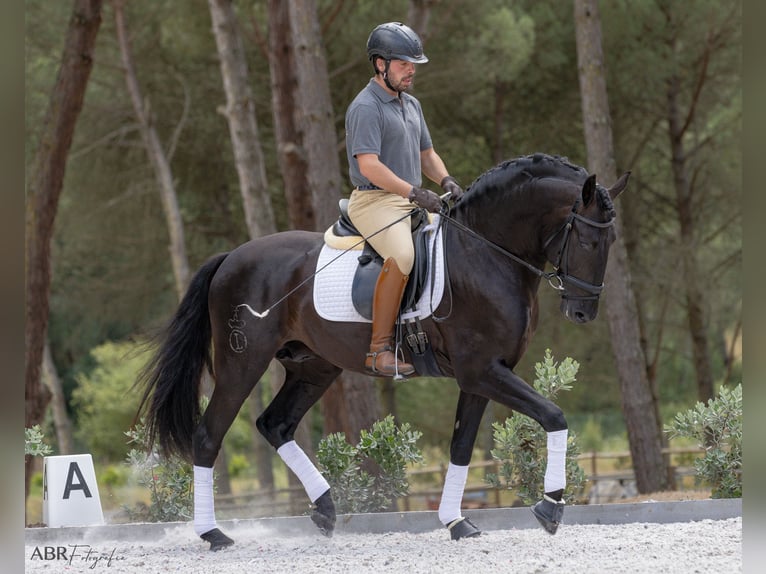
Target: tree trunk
point(243, 127)
point(500, 125)
point(354, 407)
point(307, 142)
point(293, 162)
point(61, 420)
point(43, 192)
point(314, 113)
point(641, 418)
point(173, 217)
point(156, 154)
point(419, 16)
point(388, 399)
point(677, 127)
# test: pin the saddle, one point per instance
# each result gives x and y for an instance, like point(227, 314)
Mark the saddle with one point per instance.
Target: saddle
point(343, 235)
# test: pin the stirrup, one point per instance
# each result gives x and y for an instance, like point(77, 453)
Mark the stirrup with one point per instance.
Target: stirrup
point(397, 374)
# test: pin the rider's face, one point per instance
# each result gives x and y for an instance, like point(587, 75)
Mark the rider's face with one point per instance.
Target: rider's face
point(401, 75)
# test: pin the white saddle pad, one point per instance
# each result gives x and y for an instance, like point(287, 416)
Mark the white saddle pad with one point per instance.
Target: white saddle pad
point(335, 273)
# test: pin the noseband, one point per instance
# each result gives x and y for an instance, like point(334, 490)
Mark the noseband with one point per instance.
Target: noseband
point(561, 277)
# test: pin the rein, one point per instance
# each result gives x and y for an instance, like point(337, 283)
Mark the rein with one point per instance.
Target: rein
point(558, 277)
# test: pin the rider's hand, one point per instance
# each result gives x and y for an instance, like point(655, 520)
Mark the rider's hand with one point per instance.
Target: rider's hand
point(451, 185)
point(426, 199)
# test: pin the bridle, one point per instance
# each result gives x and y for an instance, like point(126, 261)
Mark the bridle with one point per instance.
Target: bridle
point(560, 273)
point(559, 277)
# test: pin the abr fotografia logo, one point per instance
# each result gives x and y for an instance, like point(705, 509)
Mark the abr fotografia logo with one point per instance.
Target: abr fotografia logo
point(73, 554)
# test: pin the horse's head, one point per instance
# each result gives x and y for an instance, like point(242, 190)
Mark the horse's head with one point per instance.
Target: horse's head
point(580, 247)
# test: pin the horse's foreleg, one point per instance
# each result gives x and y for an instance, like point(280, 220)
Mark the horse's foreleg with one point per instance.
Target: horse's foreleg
point(305, 382)
point(470, 409)
point(510, 390)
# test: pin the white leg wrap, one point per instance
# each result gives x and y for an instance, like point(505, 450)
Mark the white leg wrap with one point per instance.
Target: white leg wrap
point(452, 494)
point(204, 512)
point(555, 471)
point(297, 461)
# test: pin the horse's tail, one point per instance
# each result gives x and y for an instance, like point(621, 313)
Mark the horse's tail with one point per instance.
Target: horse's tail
point(171, 379)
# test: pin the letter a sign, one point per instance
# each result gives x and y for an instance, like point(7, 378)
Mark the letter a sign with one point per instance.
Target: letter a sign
point(74, 471)
point(70, 491)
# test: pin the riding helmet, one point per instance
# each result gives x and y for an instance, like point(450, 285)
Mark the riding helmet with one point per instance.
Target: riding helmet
point(396, 41)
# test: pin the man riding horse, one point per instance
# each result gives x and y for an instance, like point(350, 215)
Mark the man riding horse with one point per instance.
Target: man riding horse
point(389, 148)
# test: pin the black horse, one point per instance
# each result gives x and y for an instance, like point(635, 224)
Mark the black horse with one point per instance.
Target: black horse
point(510, 222)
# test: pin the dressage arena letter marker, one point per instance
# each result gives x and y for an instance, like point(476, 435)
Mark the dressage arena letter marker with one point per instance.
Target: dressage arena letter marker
point(70, 491)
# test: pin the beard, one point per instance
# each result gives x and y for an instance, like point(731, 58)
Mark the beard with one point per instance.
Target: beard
point(403, 84)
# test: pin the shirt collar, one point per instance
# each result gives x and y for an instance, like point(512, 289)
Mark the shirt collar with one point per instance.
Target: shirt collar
point(381, 93)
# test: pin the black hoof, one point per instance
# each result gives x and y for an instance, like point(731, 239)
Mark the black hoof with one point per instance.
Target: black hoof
point(324, 514)
point(217, 539)
point(549, 513)
point(462, 528)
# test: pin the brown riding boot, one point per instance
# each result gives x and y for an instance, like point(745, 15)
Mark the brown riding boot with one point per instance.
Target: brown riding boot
point(385, 308)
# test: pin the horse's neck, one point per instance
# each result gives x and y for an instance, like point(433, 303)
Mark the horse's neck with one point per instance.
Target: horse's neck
point(512, 227)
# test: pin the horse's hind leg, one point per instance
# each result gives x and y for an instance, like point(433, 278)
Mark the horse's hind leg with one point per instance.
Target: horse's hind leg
point(470, 409)
point(307, 378)
point(234, 383)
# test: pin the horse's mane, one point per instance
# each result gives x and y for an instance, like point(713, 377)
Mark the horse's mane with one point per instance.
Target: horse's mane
point(512, 173)
point(524, 168)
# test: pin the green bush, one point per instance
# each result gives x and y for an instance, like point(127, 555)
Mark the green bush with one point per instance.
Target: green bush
point(114, 476)
point(520, 442)
point(355, 489)
point(717, 428)
point(33, 442)
point(169, 481)
point(237, 465)
point(105, 406)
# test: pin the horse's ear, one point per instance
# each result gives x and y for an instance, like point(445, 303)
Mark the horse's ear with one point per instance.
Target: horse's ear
point(589, 190)
point(619, 185)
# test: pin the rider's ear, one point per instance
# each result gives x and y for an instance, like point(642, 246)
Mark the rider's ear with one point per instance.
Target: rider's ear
point(589, 190)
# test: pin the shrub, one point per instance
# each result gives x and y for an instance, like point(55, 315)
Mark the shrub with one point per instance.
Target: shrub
point(520, 442)
point(717, 428)
point(114, 476)
point(33, 442)
point(355, 489)
point(105, 406)
point(237, 465)
point(169, 481)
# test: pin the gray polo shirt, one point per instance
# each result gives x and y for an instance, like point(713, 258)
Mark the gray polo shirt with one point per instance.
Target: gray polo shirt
point(394, 130)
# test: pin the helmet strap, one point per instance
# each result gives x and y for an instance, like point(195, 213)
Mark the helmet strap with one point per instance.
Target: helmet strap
point(385, 78)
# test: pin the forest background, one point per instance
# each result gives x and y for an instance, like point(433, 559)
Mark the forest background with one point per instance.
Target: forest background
point(502, 81)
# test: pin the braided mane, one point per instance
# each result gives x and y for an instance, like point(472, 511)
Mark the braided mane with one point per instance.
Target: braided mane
point(604, 200)
point(524, 168)
point(511, 173)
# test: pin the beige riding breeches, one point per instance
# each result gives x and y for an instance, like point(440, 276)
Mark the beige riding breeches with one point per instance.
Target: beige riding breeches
point(371, 211)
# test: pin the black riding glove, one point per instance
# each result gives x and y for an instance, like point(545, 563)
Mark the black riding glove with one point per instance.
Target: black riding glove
point(426, 199)
point(451, 185)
